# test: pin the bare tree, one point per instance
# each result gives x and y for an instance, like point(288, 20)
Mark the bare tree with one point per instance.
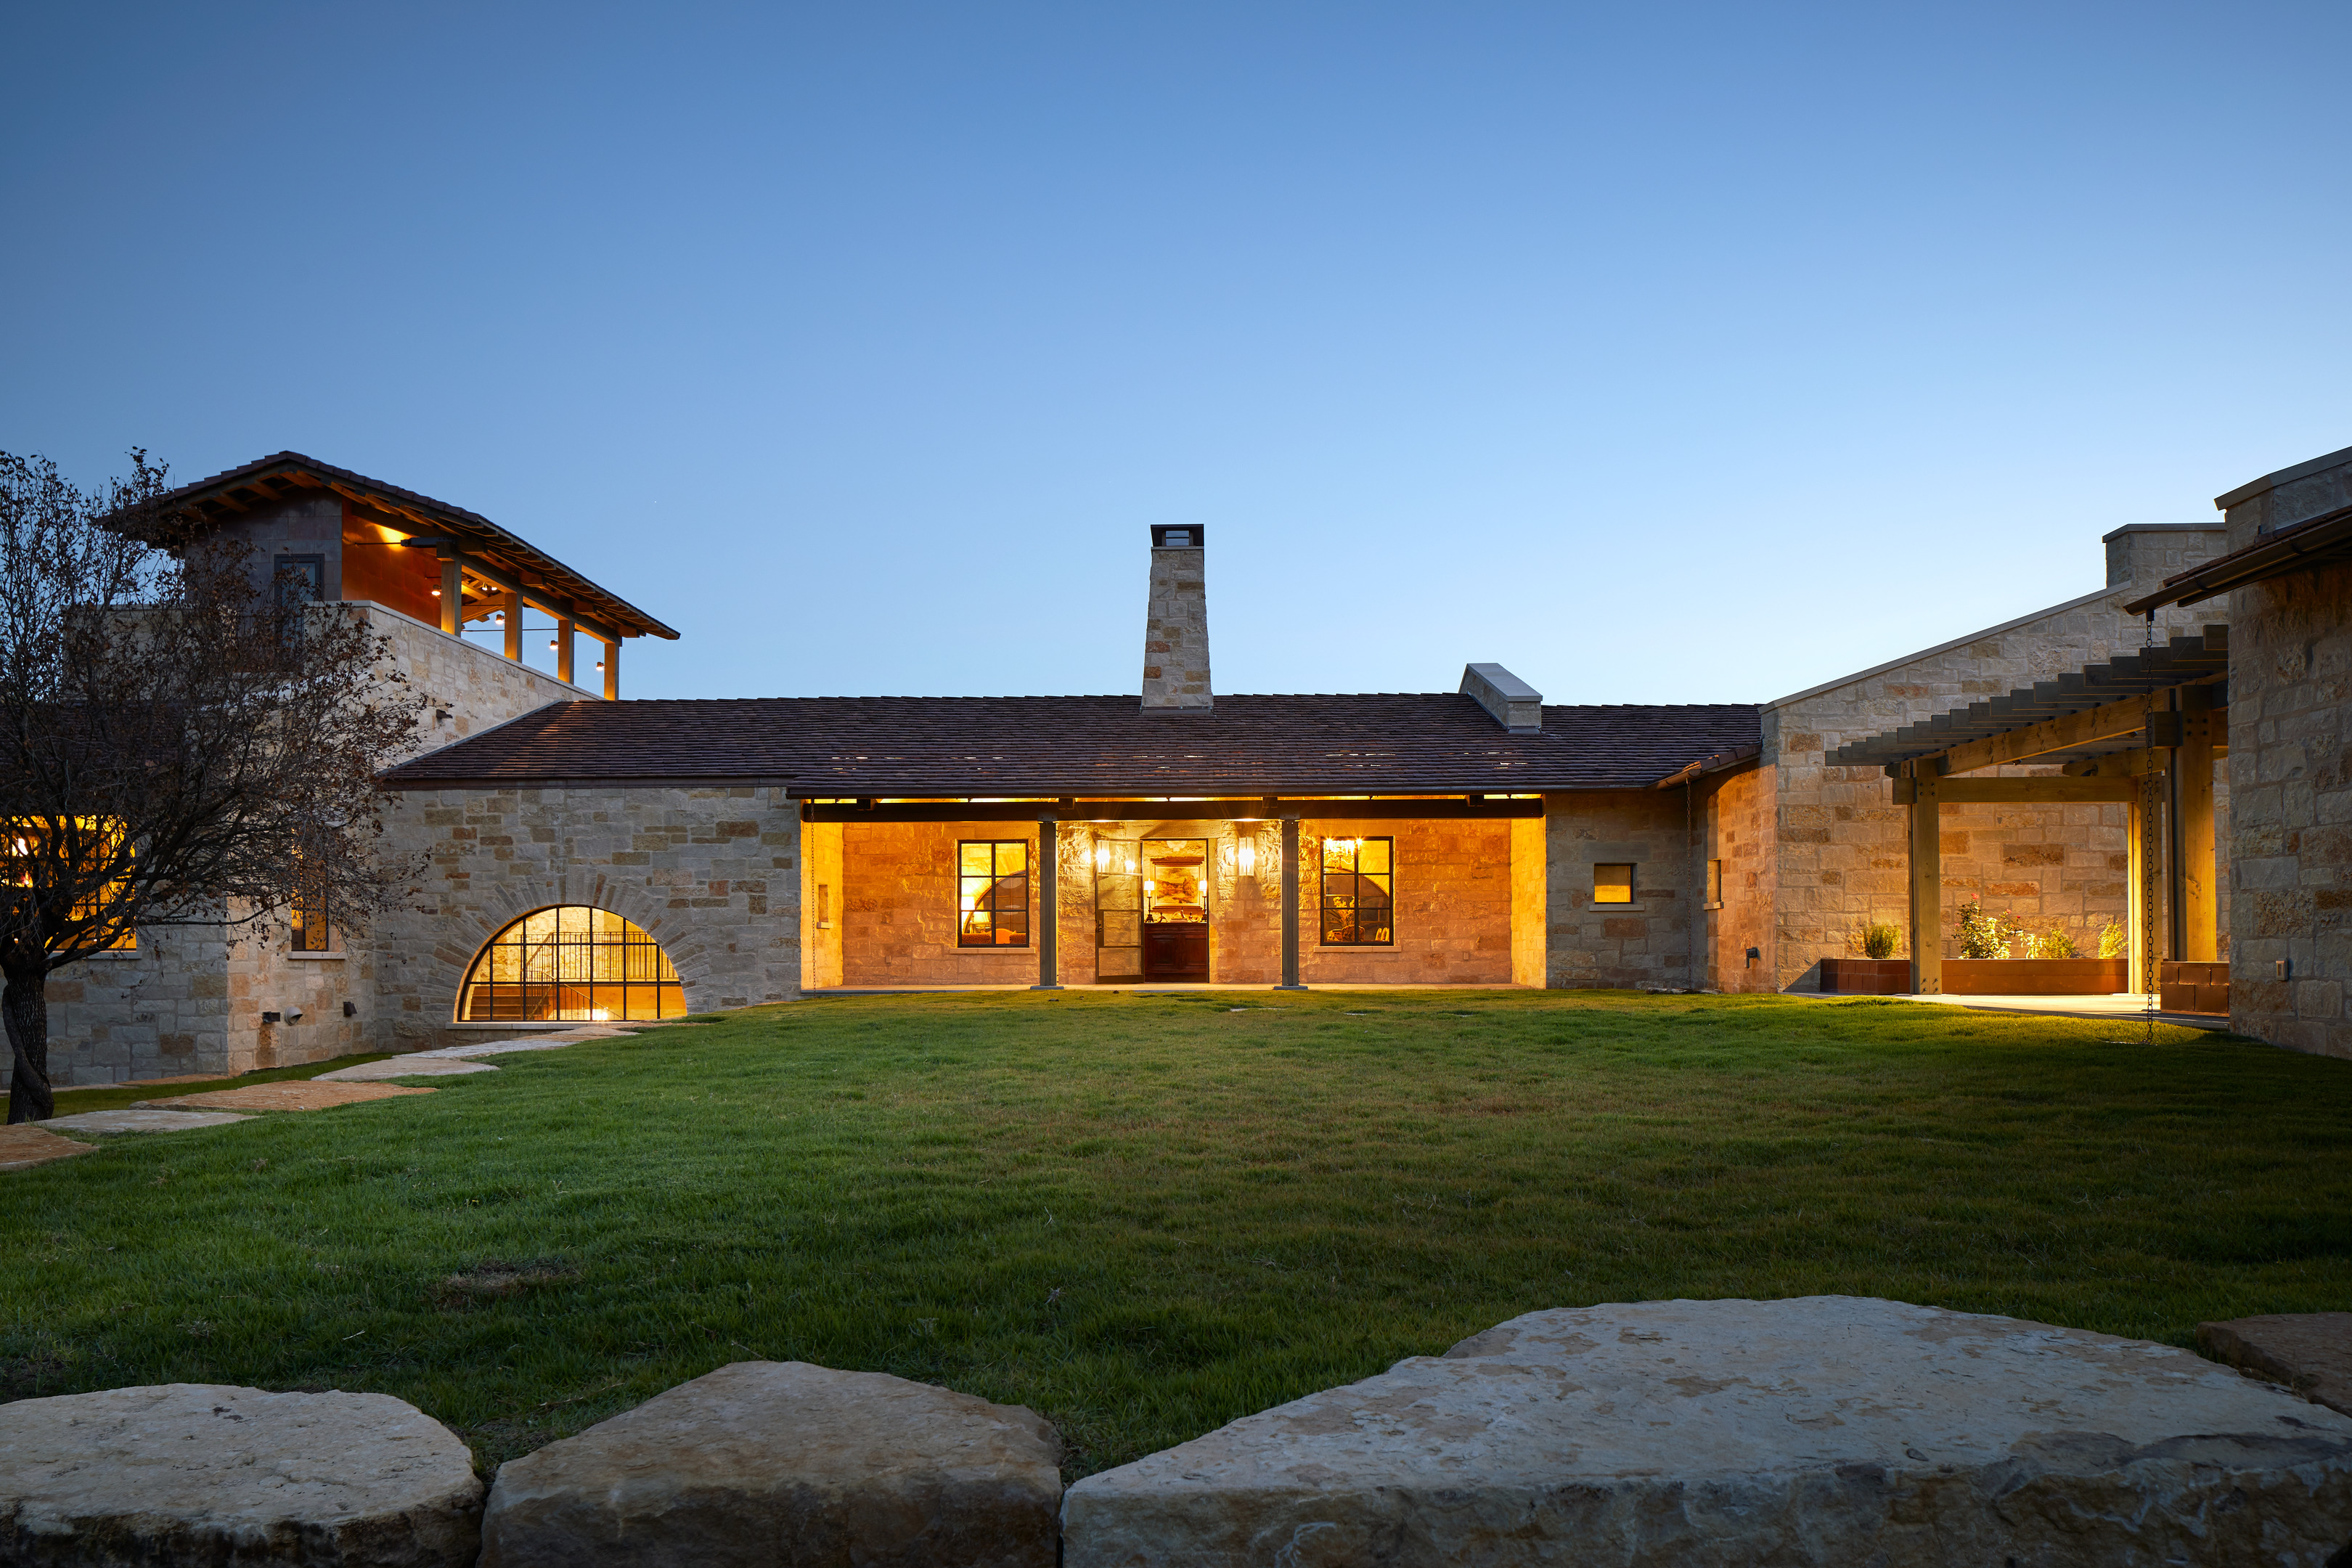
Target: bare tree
point(183, 742)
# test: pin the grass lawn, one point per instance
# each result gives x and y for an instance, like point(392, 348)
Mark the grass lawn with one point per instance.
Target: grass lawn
point(1145, 1215)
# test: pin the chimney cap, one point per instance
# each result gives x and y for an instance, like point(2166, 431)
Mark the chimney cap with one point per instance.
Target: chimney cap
point(1177, 536)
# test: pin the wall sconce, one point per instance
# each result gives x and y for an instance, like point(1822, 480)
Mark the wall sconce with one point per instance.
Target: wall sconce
point(1248, 855)
point(437, 593)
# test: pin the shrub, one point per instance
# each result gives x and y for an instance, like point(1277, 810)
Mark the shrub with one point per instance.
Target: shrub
point(2114, 939)
point(1880, 940)
point(1982, 933)
point(2051, 943)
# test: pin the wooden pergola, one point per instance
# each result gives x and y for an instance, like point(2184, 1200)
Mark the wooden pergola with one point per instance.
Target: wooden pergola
point(2144, 729)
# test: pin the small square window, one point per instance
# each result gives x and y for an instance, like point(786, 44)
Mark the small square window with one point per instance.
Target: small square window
point(1612, 884)
point(1715, 881)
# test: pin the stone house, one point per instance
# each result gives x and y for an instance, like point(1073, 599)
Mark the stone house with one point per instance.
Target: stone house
point(582, 856)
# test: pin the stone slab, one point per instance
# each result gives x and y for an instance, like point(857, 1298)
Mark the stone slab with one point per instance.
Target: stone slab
point(2310, 1352)
point(25, 1145)
point(782, 1462)
point(191, 1473)
point(296, 1094)
point(402, 1066)
point(497, 1047)
point(1819, 1430)
point(144, 1119)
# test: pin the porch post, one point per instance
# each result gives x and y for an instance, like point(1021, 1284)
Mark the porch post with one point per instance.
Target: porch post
point(511, 606)
point(1290, 906)
point(1927, 885)
point(613, 670)
point(564, 641)
point(453, 596)
point(2193, 762)
point(1044, 917)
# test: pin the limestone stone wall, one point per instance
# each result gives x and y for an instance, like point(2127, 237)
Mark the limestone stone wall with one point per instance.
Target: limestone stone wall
point(1452, 907)
point(1736, 828)
point(1453, 903)
point(1839, 840)
point(711, 873)
point(474, 687)
point(1645, 944)
point(2290, 793)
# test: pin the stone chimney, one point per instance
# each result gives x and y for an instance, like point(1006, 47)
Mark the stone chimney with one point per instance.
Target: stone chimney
point(2151, 552)
point(1515, 705)
point(1176, 625)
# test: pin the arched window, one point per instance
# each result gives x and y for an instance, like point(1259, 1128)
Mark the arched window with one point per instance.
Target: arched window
point(574, 965)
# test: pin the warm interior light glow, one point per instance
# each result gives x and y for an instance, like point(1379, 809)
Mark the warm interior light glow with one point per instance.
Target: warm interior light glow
point(1249, 857)
point(1102, 856)
point(437, 593)
point(601, 1015)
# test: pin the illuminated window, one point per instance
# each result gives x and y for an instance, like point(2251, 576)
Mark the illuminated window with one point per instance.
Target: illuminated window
point(574, 965)
point(1612, 884)
point(993, 892)
point(1358, 892)
point(307, 916)
point(93, 842)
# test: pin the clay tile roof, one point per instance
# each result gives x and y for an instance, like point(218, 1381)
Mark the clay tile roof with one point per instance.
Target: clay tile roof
point(1397, 743)
point(284, 473)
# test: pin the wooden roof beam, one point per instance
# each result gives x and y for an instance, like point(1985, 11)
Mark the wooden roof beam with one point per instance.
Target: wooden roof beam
point(2062, 733)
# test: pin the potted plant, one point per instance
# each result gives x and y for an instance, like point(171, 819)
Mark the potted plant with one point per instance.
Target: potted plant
point(2053, 965)
point(1876, 972)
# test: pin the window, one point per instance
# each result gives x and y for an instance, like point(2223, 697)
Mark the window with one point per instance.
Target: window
point(993, 892)
point(302, 579)
point(308, 914)
point(824, 906)
point(93, 844)
point(1358, 892)
point(571, 963)
point(1612, 884)
point(1714, 884)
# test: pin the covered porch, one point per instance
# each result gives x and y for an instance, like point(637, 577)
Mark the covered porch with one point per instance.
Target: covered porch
point(1128, 892)
point(2143, 731)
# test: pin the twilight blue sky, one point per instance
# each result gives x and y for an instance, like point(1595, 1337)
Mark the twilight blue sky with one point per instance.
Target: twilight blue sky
point(1661, 352)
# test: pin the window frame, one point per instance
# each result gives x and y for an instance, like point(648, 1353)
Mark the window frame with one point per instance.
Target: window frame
point(556, 961)
point(305, 916)
point(1355, 875)
point(1632, 884)
point(993, 887)
point(1714, 899)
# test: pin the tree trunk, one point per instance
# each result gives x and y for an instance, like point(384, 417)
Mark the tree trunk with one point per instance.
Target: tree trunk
point(24, 1007)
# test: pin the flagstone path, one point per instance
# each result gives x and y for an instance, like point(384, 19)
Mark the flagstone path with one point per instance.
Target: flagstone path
point(144, 1119)
point(295, 1094)
point(22, 1146)
point(401, 1066)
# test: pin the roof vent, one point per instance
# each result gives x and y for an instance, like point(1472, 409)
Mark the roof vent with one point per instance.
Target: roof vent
point(1515, 706)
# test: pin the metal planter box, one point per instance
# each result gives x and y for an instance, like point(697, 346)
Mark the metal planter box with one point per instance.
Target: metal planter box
point(2035, 976)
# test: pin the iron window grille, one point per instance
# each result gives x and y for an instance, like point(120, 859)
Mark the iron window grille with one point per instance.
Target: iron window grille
point(1358, 892)
point(993, 892)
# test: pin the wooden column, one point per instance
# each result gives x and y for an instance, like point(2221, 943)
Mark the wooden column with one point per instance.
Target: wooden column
point(1290, 906)
point(453, 596)
point(564, 639)
point(2193, 767)
point(2142, 969)
point(511, 607)
point(1926, 886)
point(1045, 912)
point(613, 670)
